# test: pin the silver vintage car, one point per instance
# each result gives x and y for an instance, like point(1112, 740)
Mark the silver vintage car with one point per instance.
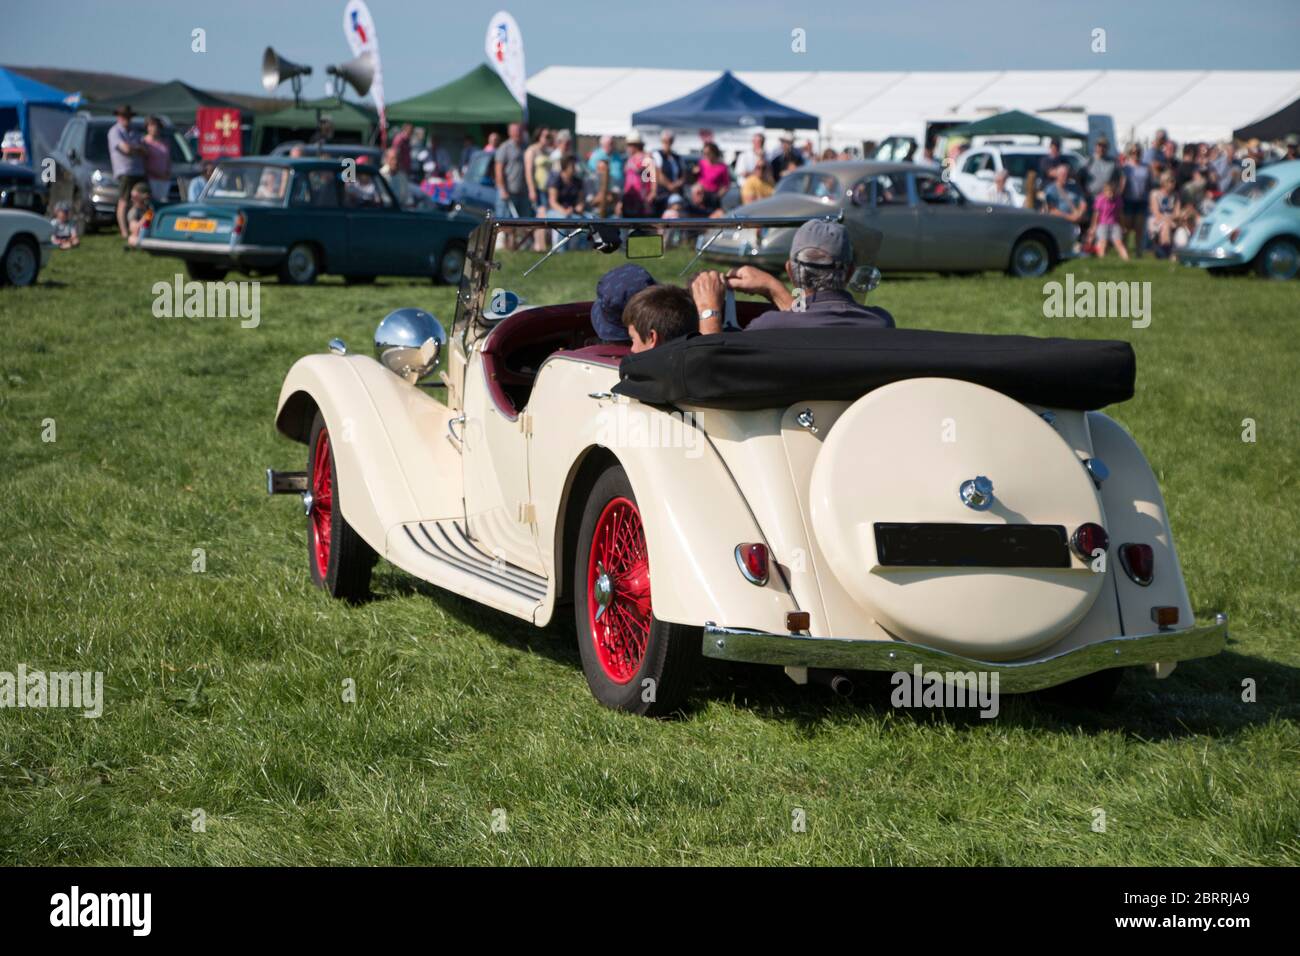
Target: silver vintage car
point(928, 224)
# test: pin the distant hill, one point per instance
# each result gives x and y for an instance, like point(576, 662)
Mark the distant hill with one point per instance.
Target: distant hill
point(115, 86)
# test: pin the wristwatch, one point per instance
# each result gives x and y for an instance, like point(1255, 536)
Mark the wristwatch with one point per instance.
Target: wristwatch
point(708, 314)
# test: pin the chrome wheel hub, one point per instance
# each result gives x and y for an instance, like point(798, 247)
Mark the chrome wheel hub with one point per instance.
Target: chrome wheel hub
point(1282, 261)
point(307, 502)
point(602, 590)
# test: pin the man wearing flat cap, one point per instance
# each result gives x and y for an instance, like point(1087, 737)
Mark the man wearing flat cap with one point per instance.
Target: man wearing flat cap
point(820, 263)
point(126, 152)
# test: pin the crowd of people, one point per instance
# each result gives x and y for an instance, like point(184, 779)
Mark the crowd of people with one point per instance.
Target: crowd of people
point(1154, 197)
point(1151, 197)
point(546, 178)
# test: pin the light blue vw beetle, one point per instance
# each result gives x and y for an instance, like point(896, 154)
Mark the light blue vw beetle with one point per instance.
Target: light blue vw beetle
point(1255, 226)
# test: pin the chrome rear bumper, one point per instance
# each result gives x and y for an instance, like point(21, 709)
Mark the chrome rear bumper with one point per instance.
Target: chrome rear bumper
point(238, 255)
point(835, 653)
point(1208, 260)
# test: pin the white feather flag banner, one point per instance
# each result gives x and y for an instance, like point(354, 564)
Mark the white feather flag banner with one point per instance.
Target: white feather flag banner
point(505, 51)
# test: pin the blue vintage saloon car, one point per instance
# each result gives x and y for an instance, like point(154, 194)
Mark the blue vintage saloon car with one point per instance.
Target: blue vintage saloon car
point(299, 218)
point(1255, 226)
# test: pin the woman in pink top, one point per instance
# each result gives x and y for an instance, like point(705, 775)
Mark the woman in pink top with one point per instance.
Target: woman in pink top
point(638, 178)
point(715, 177)
point(157, 160)
point(1105, 222)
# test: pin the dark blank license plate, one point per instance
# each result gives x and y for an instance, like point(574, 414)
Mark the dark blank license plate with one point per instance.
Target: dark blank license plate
point(903, 544)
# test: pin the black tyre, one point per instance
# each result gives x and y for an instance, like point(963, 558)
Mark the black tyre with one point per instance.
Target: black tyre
point(1094, 691)
point(452, 263)
point(339, 559)
point(301, 266)
point(21, 262)
point(633, 661)
point(205, 271)
point(1280, 259)
point(1031, 257)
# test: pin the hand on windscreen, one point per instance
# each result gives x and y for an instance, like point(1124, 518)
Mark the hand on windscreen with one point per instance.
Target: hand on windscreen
point(752, 280)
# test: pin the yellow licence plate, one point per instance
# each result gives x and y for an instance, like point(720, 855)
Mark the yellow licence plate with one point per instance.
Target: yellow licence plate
point(196, 225)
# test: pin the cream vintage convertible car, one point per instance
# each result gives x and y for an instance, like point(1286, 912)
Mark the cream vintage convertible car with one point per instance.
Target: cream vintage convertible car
point(829, 500)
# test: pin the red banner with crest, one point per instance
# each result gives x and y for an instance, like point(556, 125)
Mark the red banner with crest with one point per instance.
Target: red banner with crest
point(219, 132)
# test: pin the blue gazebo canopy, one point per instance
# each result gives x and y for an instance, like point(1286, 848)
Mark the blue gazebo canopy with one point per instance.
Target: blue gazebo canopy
point(726, 102)
point(18, 94)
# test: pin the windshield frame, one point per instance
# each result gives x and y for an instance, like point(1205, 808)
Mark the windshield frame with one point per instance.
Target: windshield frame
point(480, 262)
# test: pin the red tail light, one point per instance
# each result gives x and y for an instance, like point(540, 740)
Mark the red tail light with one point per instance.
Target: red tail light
point(753, 562)
point(1139, 562)
point(1089, 538)
point(240, 221)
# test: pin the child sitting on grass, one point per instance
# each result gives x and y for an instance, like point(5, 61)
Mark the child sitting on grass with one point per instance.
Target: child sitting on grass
point(65, 230)
point(140, 207)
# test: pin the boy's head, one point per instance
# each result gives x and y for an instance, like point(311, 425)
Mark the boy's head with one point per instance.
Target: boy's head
point(655, 315)
point(140, 194)
point(62, 211)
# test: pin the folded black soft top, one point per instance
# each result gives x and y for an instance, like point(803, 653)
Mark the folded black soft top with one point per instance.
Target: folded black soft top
point(774, 368)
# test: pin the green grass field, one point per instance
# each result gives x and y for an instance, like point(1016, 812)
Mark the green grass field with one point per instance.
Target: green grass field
point(224, 688)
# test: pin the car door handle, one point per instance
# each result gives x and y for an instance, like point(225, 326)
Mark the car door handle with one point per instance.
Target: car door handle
point(458, 440)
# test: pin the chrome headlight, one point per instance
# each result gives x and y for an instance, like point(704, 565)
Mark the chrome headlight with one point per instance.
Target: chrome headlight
point(98, 177)
point(408, 343)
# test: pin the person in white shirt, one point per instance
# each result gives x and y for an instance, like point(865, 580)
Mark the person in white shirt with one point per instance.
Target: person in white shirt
point(999, 194)
point(752, 159)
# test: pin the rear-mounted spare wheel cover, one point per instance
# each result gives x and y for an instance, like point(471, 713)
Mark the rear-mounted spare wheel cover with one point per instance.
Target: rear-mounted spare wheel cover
point(900, 455)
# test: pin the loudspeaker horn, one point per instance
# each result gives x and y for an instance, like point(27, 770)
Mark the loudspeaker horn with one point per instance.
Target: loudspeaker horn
point(276, 69)
point(359, 72)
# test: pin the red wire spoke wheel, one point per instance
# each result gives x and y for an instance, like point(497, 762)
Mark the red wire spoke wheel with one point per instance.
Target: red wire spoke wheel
point(632, 660)
point(339, 558)
point(322, 503)
point(618, 590)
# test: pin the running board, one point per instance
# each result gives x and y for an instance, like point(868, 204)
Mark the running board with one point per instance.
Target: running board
point(441, 553)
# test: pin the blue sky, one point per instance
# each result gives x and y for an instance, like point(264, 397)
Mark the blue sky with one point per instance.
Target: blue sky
point(429, 42)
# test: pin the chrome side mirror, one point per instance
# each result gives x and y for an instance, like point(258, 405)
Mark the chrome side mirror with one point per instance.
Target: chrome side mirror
point(408, 343)
point(864, 279)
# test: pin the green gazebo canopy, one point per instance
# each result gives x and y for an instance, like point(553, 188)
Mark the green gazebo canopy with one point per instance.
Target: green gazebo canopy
point(479, 98)
point(348, 117)
point(1014, 123)
point(176, 101)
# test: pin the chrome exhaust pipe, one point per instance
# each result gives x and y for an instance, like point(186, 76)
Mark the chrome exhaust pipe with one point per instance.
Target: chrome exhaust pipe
point(839, 683)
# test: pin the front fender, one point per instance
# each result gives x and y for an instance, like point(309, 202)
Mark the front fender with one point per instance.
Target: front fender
point(392, 461)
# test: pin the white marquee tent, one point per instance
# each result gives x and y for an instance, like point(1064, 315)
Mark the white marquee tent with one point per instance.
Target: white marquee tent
point(1193, 105)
